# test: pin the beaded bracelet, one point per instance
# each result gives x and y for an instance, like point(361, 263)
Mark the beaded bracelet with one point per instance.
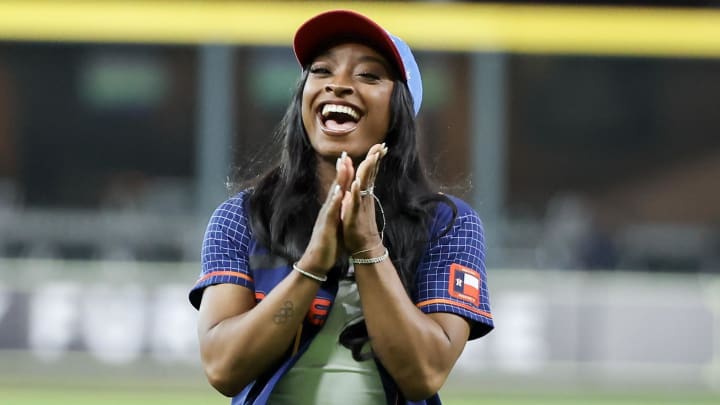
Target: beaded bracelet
point(315, 277)
point(371, 260)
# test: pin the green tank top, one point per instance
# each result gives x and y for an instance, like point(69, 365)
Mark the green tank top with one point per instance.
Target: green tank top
point(326, 373)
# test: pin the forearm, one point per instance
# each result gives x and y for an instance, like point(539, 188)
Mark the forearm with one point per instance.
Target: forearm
point(240, 348)
point(414, 348)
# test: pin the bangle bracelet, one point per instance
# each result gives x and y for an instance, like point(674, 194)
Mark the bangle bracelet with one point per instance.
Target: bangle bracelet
point(371, 260)
point(315, 277)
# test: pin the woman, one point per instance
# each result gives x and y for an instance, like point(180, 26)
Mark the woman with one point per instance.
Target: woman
point(341, 276)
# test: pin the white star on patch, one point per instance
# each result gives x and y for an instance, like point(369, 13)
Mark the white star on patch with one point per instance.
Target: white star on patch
point(458, 282)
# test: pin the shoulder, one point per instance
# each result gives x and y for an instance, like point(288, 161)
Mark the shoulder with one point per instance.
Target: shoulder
point(231, 216)
point(238, 200)
point(233, 206)
point(453, 211)
point(455, 204)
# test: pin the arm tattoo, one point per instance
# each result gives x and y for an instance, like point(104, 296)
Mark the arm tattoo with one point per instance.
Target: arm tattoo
point(285, 313)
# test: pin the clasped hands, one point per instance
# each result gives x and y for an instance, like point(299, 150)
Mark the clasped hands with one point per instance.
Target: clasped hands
point(346, 221)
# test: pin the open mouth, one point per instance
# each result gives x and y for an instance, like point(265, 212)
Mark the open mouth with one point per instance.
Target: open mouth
point(339, 118)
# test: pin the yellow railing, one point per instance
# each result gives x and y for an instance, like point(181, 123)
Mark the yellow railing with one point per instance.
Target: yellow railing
point(430, 26)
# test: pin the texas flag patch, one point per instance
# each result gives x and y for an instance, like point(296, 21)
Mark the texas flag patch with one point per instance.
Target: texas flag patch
point(464, 283)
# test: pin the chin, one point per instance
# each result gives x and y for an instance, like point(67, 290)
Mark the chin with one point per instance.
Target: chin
point(331, 152)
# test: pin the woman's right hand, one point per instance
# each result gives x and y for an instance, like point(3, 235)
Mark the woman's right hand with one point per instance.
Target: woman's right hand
point(325, 243)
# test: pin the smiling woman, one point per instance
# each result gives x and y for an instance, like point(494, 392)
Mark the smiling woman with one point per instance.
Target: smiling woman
point(342, 275)
point(346, 101)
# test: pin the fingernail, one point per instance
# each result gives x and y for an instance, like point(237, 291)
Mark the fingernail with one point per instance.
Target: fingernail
point(382, 145)
point(337, 164)
point(336, 190)
point(343, 155)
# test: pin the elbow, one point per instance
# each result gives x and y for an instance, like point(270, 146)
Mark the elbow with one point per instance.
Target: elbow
point(423, 386)
point(224, 382)
point(421, 392)
point(223, 372)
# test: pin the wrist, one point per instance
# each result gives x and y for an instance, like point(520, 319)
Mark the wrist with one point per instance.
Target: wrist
point(311, 266)
point(374, 250)
point(369, 249)
point(320, 278)
point(354, 260)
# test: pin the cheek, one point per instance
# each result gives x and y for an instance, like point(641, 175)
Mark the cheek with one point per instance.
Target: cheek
point(305, 108)
point(305, 98)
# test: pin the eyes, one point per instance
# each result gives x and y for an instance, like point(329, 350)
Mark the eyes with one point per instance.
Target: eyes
point(368, 74)
point(319, 70)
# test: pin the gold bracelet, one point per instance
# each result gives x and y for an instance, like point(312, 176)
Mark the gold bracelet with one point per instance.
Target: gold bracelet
point(315, 277)
point(371, 260)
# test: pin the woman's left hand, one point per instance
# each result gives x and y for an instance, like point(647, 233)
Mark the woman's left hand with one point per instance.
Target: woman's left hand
point(360, 231)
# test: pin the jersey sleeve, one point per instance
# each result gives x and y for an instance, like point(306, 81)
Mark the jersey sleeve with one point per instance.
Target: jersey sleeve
point(225, 249)
point(451, 276)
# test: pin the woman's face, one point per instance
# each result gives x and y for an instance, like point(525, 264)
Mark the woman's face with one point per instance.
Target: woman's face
point(346, 101)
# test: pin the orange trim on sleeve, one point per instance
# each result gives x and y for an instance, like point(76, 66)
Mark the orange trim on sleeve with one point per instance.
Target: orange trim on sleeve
point(225, 273)
point(454, 303)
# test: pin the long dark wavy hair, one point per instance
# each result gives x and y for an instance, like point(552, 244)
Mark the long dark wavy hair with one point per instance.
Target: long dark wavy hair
point(284, 201)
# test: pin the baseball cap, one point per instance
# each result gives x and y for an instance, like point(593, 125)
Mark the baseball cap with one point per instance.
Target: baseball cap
point(331, 26)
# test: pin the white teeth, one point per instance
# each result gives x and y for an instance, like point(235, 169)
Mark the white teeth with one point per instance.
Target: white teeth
point(336, 108)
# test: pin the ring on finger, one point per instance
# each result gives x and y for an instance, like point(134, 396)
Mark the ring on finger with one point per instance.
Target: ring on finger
point(368, 191)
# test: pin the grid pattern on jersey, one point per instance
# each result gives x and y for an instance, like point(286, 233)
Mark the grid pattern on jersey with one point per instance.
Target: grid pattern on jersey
point(224, 256)
point(463, 245)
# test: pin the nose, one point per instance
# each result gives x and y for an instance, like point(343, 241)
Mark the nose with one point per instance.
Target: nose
point(339, 90)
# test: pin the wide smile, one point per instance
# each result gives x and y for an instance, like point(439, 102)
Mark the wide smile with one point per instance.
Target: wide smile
point(338, 119)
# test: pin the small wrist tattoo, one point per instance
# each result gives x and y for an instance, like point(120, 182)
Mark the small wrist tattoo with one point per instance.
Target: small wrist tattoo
point(285, 313)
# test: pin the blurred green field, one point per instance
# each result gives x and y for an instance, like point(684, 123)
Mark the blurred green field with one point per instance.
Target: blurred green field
point(109, 396)
point(79, 380)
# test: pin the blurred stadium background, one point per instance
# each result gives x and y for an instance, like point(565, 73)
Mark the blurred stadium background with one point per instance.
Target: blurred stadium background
point(588, 138)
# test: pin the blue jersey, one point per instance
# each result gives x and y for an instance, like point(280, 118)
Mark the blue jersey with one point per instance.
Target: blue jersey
point(450, 277)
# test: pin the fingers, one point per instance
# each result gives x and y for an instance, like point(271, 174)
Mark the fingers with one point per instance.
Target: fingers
point(322, 248)
point(360, 228)
point(378, 154)
point(365, 176)
point(344, 177)
point(366, 172)
point(382, 153)
point(329, 211)
point(341, 172)
point(347, 204)
point(327, 233)
point(344, 171)
point(369, 168)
